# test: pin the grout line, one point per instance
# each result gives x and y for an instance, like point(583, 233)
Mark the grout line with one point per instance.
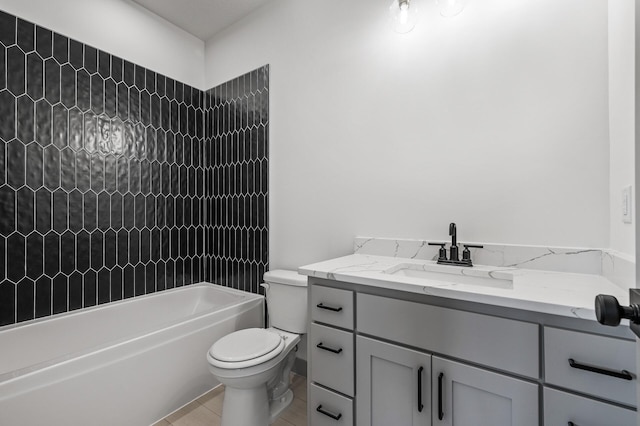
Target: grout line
point(207, 408)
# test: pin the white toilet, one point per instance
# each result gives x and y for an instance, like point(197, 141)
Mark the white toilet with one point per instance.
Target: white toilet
point(254, 364)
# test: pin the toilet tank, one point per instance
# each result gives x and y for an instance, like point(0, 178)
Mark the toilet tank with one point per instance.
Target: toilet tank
point(286, 293)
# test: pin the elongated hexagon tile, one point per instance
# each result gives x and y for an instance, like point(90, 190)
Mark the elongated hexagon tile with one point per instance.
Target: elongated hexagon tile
point(52, 81)
point(34, 73)
point(60, 48)
point(44, 120)
point(44, 42)
point(34, 166)
point(16, 70)
point(51, 254)
point(16, 164)
point(60, 294)
point(35, 256)
point(26, 207)
point(43, 288)
point(68, 86)
point(7, 115)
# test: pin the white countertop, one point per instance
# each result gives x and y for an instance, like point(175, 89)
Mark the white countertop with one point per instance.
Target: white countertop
point(557, 293)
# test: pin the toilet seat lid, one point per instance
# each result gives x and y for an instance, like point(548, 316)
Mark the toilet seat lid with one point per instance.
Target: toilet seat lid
point(246, 345)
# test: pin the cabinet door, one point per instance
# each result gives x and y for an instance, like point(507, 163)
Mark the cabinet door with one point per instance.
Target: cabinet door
point(392, 385)
point(470, 396)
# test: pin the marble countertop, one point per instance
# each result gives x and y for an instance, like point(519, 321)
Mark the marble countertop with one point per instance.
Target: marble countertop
point(549, 292)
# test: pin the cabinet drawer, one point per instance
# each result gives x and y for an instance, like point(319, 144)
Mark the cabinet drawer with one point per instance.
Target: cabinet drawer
point(331, 369)
point(329, 409)
point(497, 342)
point(592, 351)
point(332, 306)
point(560, 408)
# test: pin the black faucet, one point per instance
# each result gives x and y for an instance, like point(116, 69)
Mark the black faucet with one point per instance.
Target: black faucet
point(453, 250)
point(454, 258)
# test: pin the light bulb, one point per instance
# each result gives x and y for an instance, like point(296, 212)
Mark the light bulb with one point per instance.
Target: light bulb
point(402, 15)
point(449, 8)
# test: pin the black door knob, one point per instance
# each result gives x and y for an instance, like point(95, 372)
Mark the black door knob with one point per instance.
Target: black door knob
point(609, 312)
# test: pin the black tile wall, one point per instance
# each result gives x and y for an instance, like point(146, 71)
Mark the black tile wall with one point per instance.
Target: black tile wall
point(102, 177)
point(116, 181)
point(237, 180)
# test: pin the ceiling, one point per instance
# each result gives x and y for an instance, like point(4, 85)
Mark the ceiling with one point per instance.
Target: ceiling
point(202, 18)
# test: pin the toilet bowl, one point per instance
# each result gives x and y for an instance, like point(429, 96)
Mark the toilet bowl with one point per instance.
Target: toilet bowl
point(254, 364)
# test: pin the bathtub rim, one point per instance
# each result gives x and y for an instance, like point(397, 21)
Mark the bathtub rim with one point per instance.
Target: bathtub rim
point(34, 368)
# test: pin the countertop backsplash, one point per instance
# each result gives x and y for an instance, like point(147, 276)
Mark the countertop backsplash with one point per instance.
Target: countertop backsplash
point(619, 268)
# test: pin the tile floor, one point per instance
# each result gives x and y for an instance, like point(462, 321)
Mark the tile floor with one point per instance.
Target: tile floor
point(206, 410)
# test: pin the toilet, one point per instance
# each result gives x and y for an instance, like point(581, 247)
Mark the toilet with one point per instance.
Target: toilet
point(254, 364)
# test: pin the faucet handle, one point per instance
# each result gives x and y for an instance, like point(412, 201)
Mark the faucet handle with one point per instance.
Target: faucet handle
point(466, 253)
point(442, 253)
point(473, 246)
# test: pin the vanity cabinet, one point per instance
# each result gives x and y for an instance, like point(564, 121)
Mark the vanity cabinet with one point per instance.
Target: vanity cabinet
point(385, 358)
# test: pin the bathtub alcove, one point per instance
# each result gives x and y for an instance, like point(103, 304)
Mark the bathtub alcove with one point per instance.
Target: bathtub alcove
point(125, 363)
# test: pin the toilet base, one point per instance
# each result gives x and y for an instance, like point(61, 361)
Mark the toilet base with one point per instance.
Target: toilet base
point(279, 405)
point(245, 407)
point(262, 412)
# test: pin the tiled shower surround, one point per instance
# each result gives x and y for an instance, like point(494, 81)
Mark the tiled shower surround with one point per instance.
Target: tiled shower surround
point(237, 172)
point(116, 181)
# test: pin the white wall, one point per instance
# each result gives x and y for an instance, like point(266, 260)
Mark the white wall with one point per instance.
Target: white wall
point(122, 28)
point(621, 117)
point(496, 119)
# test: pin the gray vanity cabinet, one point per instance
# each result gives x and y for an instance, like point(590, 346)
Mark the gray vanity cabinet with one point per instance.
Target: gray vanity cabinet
point(393, 385)
point(383, 358)
point(463, 395)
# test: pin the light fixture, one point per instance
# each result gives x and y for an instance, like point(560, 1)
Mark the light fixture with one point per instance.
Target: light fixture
point(449, 8)
point(403, 15)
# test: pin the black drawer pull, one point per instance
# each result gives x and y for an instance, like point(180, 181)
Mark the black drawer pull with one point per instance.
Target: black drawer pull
point(440, 410)
point(329, 308)
point(327, 348)
point(571, 424)
point(420, 405)
point(622, 374)
point(328, 413)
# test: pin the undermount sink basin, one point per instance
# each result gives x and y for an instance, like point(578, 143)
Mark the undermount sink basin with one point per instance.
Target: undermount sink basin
point(439, 275)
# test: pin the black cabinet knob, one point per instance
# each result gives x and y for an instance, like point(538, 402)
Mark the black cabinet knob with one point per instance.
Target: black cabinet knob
point(609, 312)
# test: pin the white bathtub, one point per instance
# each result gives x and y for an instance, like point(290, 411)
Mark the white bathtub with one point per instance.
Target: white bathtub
point(125, 363)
